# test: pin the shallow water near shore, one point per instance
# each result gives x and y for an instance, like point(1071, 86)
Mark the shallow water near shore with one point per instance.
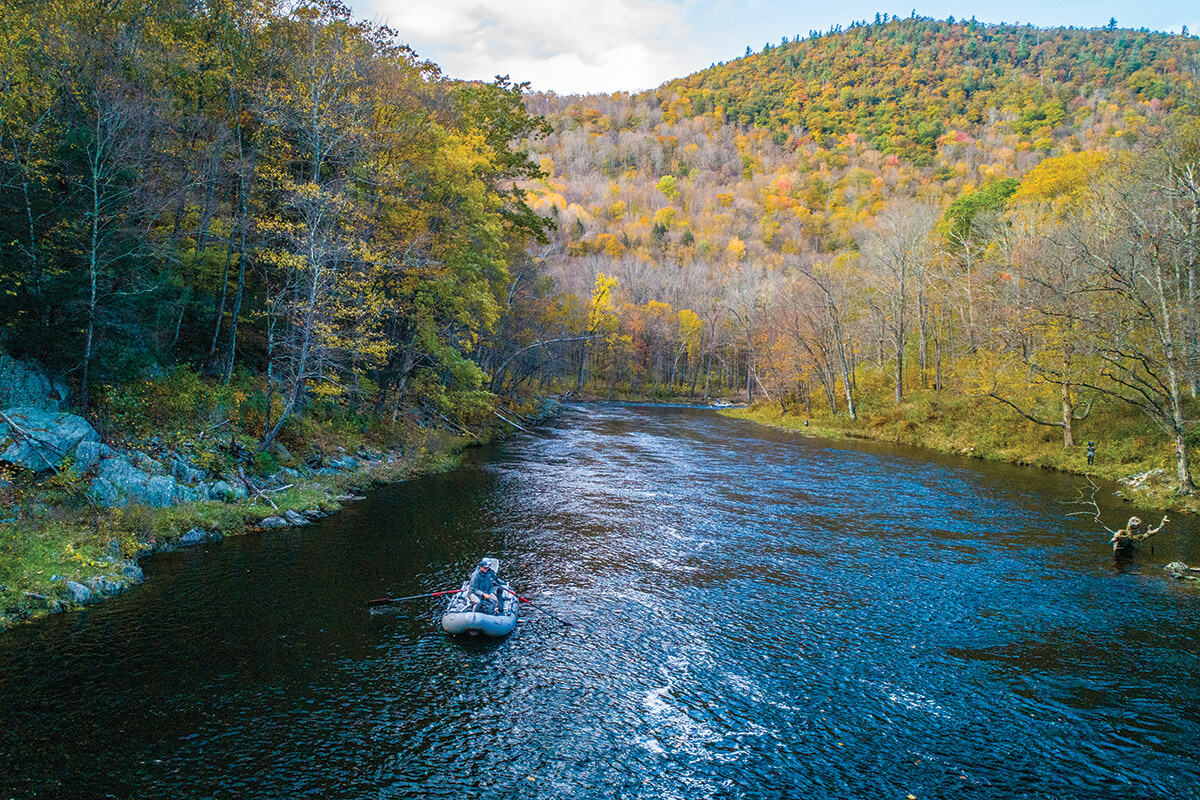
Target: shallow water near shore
point(755, 615)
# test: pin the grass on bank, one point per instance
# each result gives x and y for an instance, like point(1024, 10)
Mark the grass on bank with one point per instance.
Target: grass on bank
point(50, 532)
point(1127, 443)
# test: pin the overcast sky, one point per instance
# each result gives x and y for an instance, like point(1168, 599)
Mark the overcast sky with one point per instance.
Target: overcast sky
point(570, 46)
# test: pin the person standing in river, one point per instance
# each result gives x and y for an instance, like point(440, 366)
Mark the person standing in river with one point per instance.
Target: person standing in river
point(1124, 539)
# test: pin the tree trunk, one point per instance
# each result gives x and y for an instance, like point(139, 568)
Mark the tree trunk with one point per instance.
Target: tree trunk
point(1068, 414)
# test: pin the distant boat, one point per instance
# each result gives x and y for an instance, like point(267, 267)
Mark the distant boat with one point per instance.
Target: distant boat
point(461, 618)
point(721, 404)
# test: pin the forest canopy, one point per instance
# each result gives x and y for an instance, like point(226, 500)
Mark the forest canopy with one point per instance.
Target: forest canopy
point(282, 195)
point(275, 189)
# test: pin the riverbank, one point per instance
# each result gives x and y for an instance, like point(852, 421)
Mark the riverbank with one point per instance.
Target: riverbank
point(1129, 450)
point(61, 549)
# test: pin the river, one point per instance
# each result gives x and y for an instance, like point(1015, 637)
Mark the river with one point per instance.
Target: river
point(754, 615)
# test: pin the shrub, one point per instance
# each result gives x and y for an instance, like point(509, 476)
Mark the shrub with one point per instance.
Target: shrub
point(178, 400)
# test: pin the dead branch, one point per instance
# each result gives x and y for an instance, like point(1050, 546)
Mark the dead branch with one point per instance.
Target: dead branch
point(509, 421)
point(1091, 501)
point(250, 487)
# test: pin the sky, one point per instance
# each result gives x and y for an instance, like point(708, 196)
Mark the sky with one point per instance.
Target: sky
point(594, 46)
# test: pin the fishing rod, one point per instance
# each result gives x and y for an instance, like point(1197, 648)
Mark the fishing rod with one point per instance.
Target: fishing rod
point(544, 611)
point(384, 601)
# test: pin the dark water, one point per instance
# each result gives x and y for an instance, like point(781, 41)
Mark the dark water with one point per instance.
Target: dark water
point(755, 615)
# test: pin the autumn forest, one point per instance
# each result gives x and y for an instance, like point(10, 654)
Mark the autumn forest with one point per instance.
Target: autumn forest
point(294, 210)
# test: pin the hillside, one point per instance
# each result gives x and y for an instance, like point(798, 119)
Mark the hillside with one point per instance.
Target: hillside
point(1003, 213)
point(901, 86)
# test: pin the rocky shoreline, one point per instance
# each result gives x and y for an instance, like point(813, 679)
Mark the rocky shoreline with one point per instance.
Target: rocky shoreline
point(48, 440)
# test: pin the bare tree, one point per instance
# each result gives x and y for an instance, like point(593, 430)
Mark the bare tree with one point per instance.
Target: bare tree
point(896, 251)
point(1141, 244)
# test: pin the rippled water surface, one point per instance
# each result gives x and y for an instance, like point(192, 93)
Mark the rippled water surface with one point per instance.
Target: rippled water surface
point(754, 615)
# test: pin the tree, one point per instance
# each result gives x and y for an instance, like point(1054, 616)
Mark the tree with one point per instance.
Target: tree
point(896, 250)
point(969, 224)
point(1141, 243)
point(1047, 284)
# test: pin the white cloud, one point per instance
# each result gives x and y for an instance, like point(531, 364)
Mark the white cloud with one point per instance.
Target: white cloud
point(561, 45)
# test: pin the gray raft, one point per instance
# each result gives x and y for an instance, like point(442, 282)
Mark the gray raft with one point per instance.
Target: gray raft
point(459, 618)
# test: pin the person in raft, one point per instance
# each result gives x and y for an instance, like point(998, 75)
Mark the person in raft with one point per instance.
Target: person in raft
point(1132, 532)
point(484, 589)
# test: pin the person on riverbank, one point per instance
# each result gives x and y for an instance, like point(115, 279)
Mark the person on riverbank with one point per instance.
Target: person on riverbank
point(1125, 538)
point(484, 589)
point(1091, 453)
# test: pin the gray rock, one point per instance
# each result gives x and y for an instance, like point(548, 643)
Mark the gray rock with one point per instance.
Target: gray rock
point(220, 490)
point(196, 536)
point(104, 493)
point(123, 475)
point(348, 463)
point(132, 484)
point(184, 472)
point(145, 463)
point(160, 492)
point(26, 385)
point(273, 522)
point(79, 594)
point(327, 471)
point(89, 454)
point(48, 437)
point(132, 573)
point(296, 518)
point(106, 585)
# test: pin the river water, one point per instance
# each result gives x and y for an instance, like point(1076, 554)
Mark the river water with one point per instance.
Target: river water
point(753, 615)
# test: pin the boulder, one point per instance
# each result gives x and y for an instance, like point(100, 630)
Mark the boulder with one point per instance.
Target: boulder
point(79, 594)
point(145, 463)
point(119, 482)
point(25, 385)
point(42, 439)
point(106, 585)
point(89, 454)
point(226, 492)
point(348, 463)
point(296, 518)
point(184, 472)
point(104, 493)
point(160, 492)
point(132, 573)
point(273, 522)
point(199, 536)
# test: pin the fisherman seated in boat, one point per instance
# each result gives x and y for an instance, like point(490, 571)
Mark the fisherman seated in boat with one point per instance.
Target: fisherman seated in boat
point(484, 588)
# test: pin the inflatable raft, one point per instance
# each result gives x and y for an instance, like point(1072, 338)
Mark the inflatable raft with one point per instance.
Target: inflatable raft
point(461, 618)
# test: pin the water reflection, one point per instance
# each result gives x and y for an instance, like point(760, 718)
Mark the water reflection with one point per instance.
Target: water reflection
point(756, 615)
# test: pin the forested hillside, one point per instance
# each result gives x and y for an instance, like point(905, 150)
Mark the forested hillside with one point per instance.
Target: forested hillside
point(277, 199)
point(293, 210)
point(998, 212)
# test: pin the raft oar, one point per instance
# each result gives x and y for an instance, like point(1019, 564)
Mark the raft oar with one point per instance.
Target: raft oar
point(544, 611)
point(383, 601)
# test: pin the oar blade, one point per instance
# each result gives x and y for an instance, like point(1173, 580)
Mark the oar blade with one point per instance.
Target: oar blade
point(551, 614)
